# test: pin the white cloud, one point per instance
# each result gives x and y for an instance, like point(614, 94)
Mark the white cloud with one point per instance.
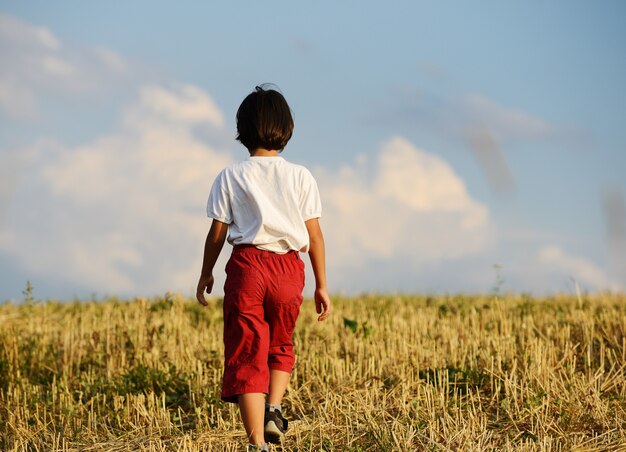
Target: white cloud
point(409, 210)
point(16, 31)
point(432, 70)
point(57, 67)
point(454, 116)
point(581, 270)
point(188, 105)
point(36, 65)
point(489, 129)
point(505, 121)
point(123, 213)
point(16, 99)
point(112, 60)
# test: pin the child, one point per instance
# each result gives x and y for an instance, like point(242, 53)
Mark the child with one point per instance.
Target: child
point(270, 210)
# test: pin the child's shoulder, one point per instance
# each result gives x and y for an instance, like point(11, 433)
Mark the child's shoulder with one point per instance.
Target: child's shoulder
point(297, 168)
point(232, 169)
point(299, 173)
point(257, 168)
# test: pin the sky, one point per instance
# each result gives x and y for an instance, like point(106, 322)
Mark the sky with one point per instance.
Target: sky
point(472, 147)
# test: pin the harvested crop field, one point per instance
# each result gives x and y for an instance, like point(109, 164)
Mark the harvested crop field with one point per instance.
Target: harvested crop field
point(385, 373)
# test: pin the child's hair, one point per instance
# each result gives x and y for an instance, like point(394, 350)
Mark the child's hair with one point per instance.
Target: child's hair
point(264, 120)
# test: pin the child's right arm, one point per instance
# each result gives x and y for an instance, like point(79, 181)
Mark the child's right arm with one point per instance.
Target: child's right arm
point(212, 248)
point(318, 262)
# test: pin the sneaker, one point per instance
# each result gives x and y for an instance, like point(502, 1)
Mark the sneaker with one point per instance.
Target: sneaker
point(275, 426)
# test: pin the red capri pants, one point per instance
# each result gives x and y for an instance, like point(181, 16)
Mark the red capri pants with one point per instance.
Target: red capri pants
point(262, 298)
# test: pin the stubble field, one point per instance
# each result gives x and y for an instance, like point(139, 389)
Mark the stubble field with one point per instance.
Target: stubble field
point(385, 373)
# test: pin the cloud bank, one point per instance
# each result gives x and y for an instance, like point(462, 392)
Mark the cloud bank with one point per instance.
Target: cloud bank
point(575, 268)
point(408, 210)
point(36, 64)
point(123, 212)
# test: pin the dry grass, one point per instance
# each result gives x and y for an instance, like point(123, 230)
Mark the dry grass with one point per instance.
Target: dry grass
point(418, 373)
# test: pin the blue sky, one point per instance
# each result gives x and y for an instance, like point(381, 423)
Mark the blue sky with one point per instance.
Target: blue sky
point(446, 137)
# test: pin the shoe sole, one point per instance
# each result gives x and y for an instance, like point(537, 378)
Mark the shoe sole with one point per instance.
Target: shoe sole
point(272, 433)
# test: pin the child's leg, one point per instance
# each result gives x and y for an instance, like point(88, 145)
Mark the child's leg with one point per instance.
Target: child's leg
point(246, 341)
point(275, 424)
point(252, 407)
point(282, 307)
point(279, 380)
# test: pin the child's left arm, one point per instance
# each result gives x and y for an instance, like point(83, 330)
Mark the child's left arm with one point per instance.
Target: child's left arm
point(318, 262)
point(212, 248)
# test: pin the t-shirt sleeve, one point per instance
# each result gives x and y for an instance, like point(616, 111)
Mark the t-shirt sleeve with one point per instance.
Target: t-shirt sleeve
point(219, 205)
point(310, 202)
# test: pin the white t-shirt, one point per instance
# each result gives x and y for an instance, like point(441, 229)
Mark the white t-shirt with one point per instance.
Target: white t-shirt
point(265, 201)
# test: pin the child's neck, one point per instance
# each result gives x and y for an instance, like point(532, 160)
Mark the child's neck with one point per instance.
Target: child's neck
point(262, 152)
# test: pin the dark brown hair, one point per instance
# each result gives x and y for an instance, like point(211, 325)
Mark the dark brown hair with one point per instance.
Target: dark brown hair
point(264, 120)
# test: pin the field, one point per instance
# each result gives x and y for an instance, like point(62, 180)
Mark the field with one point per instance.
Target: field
point(386, 373)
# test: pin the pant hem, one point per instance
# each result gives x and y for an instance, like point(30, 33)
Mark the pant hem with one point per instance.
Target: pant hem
point(284, 367)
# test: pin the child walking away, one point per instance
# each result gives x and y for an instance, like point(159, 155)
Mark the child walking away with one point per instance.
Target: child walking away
point(269, 209)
